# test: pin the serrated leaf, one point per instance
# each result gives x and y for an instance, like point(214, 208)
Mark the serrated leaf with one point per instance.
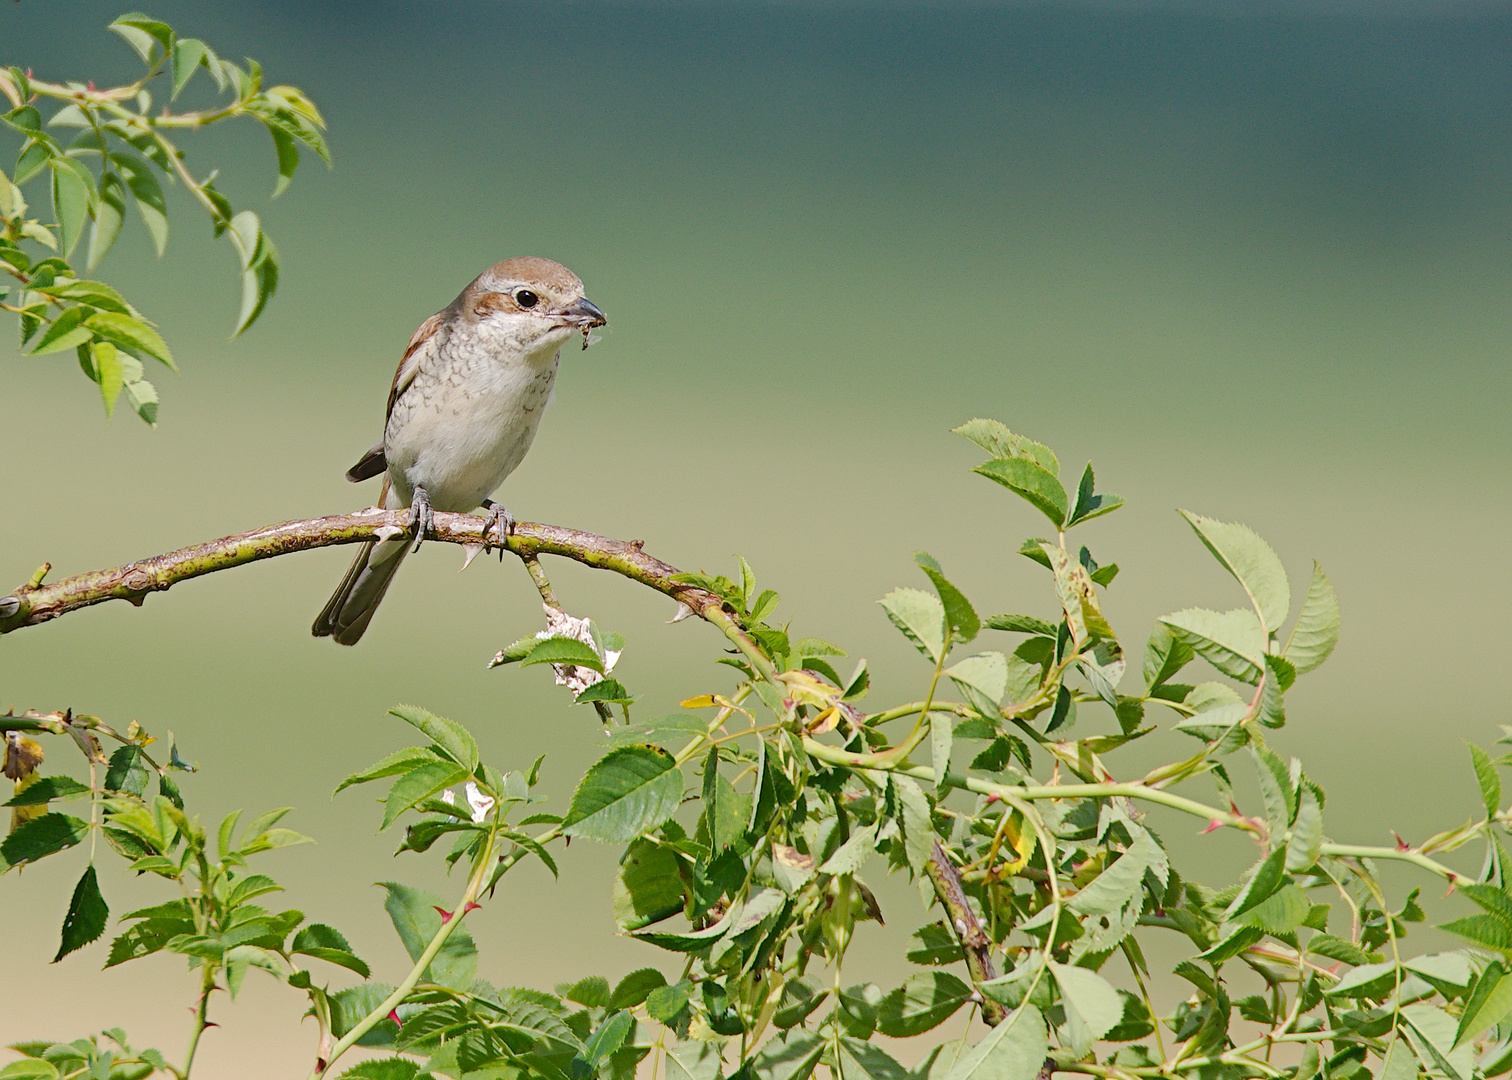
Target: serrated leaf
point(918, 828)
point(86, 917)
point(416, 919)
point(398, 762)
point(790, 1056)
point(72, 198)
point(39, 838)
point(629, 791)
point(564, 650)
point(960, 616)
point(648, 886)
point(986, 673)
point(1031, 482)
point(998, 441)
point(1090, 505)
point(109, 215)
point(1118, 884)
point(45, 789)
point(1490, 780)
point(1253, 563)
point(725, 809)
point(1317, 629)
point(1489, 1003)
point(130, 333)
point(394, 1068)
point(635, 987)
point(921, 618)
point(418, 784)
point(925, 1001)
point(450, 737)
point(188, 54)
point(110, 372)
point(1014, 1050)
point(1092, 1006)
point(326, 943)
point(64, 332)
point(1232, 641)
point(1306, 842)
point(1432, 1032)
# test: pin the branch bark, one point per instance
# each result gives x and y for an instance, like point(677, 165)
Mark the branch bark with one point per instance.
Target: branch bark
point(38, 601)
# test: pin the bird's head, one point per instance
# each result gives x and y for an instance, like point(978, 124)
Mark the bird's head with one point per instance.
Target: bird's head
point(532, 304)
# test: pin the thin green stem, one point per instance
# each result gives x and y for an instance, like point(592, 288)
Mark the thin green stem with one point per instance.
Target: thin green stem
point(207, 987)
point(476, 883)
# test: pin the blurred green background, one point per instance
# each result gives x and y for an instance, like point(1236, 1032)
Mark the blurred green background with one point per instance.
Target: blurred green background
point(1252, 263)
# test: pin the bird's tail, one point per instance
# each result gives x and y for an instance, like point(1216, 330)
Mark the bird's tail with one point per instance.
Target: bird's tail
point(351, 606)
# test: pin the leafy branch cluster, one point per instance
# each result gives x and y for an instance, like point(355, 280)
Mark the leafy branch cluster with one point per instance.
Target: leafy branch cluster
point(754, 819)
point(121, 152)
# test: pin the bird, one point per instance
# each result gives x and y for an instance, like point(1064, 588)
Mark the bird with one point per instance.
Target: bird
point(463, 410)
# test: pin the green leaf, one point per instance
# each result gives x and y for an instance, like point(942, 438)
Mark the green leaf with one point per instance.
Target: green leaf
point(985, 674)
point(1338, 949)
point(1253, 563)
point(998, 441)
point(1118, 884)
point(592, 991)
point(725, 809)
point(141, 33)
point(1317, 629)
point(87, 914)
point(39, 838)
point(72, 197)
point(679, 726)
point(635, 987)
point(665, 1002)
point(46, 789)
point(419, 784)
point(1399, 1064)
point(130, 333)
point(1031, 482)
point(111, 372)
point(64, 332)
point(608, 1038)
point(1090, 505)
point(417, 918)
point(394, 1068)
point(142, 396)
point(564, 650)
point(858, 1060)
point(450, 737)
point(1489, 1003)
point(648, 887)
point(960, 616)
point(1280, 913)
point(1306, 842)
point(1092, 1006)
point(918, 828)
point(1490, 780)
point(188, 54)
point(1266, 877)
point(1014, 1050)
point(790, 1056)
point(1232, 641)
point(30, 1069)
point(326, 943)
point(921, 617)
point(627, 792)
point(611, 691)
point(1275, 789)
point(1021, 624)
point(398, 762)
point(1432, 1033)
point(925, 1001)
point(849, 856)
point(147, 193)
point(109, 215)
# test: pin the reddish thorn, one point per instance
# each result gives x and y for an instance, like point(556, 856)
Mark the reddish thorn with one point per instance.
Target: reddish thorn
point(320, 1064)
point(471, 907)
point(1213, 826)
point(992, 799)
point(1402, 845)
point(30, 73)
point(394, 1016)
point(445, 915)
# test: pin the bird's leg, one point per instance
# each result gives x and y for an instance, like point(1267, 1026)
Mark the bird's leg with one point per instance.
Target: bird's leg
point(422, 519)
point(500, 520)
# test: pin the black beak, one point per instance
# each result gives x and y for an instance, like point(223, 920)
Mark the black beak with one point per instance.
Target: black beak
point(585, 313)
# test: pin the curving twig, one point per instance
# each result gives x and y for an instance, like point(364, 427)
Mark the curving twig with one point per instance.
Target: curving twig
point(38, 601)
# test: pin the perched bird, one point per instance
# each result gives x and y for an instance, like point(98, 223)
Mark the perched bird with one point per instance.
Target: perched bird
point(463, 410)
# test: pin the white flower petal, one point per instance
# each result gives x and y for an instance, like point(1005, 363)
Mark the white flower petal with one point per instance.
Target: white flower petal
point(481, 804)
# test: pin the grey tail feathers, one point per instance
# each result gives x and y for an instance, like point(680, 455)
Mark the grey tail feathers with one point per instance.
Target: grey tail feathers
point(351, 606)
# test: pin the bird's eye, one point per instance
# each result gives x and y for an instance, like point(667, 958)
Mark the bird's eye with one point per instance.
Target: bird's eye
point(526, 299)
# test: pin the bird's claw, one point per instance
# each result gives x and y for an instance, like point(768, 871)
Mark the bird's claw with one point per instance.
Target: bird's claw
point(422, 520)
point(500, 521)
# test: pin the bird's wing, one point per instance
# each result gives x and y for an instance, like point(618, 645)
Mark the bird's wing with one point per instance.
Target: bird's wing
point(410, 364)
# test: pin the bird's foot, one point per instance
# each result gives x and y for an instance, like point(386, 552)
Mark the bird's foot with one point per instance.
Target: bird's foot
point(422, 520)
point(499, 520)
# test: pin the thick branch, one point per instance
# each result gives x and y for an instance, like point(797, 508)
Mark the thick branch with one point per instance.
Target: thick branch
point(37, 602)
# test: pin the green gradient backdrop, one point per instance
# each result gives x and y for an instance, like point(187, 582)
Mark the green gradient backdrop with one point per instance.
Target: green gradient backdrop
point(1253, 266)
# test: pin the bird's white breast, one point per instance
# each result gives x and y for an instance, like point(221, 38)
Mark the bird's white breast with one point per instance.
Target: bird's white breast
point(468, 419)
